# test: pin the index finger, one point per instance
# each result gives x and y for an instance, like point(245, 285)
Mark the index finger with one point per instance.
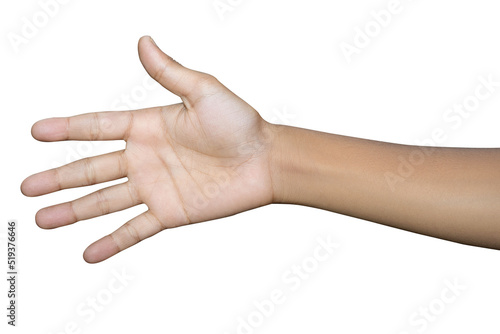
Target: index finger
point(110, 125)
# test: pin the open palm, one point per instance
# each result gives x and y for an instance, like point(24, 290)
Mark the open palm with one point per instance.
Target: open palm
point(204, 158)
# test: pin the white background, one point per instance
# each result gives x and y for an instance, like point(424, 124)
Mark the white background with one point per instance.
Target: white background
point(284, 58)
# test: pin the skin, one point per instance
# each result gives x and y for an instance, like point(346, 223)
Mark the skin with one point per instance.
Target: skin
point(213, 156)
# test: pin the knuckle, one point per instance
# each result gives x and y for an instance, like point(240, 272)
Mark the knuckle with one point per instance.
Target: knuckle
point(94, 128)
point(122, 164)
point(134, 196)
point(89, 172)
point(74, 216)
point(58, 178)
point(102, 202)
point(130, 125)
point(132, 232)
point(153, 220)
point(206, 82)
point(160, 72)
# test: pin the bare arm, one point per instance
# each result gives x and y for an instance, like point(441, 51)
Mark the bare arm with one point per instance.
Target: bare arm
point(212, 156)
point(449, 193)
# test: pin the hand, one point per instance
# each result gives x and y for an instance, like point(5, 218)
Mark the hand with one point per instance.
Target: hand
point(205, 158)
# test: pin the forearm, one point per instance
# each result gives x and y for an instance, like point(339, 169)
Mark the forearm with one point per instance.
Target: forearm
point(450, 193)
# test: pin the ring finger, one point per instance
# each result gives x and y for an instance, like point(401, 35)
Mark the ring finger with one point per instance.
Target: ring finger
point(99, 203)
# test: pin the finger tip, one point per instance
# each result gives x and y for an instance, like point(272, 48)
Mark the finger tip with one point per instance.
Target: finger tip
point(49, 129)
point(24, 188)
point(39, 184)
point(40, 219)
point(149, 52)
point(89, 257)
point(144, 38)
point(54, 216)
point(145, 42)
point(38, 130)
point(100, 250)
point(92, 255)
point(27, 188)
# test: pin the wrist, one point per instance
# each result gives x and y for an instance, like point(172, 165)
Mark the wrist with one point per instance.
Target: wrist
point(304, 166)
point(285, 166)
point(277, 157)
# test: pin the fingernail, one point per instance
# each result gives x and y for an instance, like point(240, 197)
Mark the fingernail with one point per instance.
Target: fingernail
point(152, 40)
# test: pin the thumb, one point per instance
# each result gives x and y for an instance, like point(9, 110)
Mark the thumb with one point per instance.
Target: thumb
point(178, 79)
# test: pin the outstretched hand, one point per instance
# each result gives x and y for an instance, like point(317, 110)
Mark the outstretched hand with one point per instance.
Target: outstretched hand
point(205, 158)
